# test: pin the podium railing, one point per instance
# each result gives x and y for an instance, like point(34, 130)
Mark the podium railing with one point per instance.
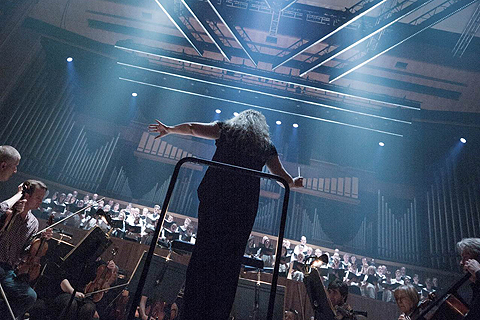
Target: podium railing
point(219, 165)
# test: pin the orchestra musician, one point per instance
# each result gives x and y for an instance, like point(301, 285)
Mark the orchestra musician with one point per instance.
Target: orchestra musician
point(97, 275)
point(18, 225)
point(408, 300)
point(469, 249)
point(228, 202)
point(9, 160)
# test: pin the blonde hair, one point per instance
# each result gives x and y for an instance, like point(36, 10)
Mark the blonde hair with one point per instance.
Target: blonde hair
point(249, 128)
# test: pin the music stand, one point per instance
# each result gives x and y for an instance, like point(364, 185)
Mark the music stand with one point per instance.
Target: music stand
point(164, 279)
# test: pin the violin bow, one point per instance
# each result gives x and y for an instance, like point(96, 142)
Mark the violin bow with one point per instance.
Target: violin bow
point(64, 219)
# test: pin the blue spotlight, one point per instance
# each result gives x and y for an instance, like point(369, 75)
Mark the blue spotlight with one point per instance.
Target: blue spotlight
point(218, 111)
point(295, 125)
point(235, 114)
point(463, 140)
point(69, 59)
point(278, 122)
point(381, 144)
point(134, 94)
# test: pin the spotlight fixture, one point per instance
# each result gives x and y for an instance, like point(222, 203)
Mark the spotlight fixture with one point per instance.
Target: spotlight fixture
point(69, 59)
point(463, 140)
point(235, 114)
point(134, 94)
point(218, 111)
point(278, 122)
point(295, 125)
point(381, 144)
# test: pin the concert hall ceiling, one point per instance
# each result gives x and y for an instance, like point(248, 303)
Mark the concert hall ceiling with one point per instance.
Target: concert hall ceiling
point(372, 64)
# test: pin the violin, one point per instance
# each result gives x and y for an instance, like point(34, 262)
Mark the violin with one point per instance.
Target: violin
point(31, 265)
point(105, 276)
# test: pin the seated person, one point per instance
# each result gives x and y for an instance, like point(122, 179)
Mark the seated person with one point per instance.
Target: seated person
point(266, 252)
point(83, 306)
point(407, 299)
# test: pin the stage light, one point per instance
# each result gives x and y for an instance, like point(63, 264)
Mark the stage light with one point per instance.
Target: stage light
point(235, 114)
point(381, 144)
point(278, 122)
point(463, 140)
point(134, 94)
point(218, 111)
point(69, 59)
point(295, 125)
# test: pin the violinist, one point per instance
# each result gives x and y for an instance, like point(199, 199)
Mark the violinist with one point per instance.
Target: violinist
point(469, 249)
point(17, 226)
point(407, 299)
point(97, 275)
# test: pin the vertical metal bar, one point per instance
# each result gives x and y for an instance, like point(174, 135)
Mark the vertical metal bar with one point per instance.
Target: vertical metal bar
point(104, 169)
point(379, 221)
point(94, 179)
point(72, 177)
point(396, 256)
point(32, 96)
point(72, 150)
point(118, 177)
point(55, 147)
point(86, 169)
point(403, 237)
point(449, 184)
point(413, 237)
point(57, 150)
point(450, 254)
point(80, 163)
point(55, 110)
point(462, 222)
point(96, 166)
point(430, 232)
point(440, 220)
point(32, 125)
point(389, 235)
point(54, 124)
point(21, 104)
point(22, 125)
point(75, 158)
point(473, 213)
point(408, 236)
point(435, 227)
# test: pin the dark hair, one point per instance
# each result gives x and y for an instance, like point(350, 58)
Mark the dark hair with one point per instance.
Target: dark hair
point(31, 185)
point(341, 286)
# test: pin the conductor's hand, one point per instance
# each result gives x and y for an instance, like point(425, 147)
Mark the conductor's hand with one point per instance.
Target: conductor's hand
point(297, 182)
point(159, 127)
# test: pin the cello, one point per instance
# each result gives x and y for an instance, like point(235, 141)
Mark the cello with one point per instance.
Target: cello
point(447, 306)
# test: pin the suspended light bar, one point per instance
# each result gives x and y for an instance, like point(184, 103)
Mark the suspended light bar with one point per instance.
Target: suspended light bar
point(306, 85)
point(266, 93)
point(262, 107)
point(360, 13)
